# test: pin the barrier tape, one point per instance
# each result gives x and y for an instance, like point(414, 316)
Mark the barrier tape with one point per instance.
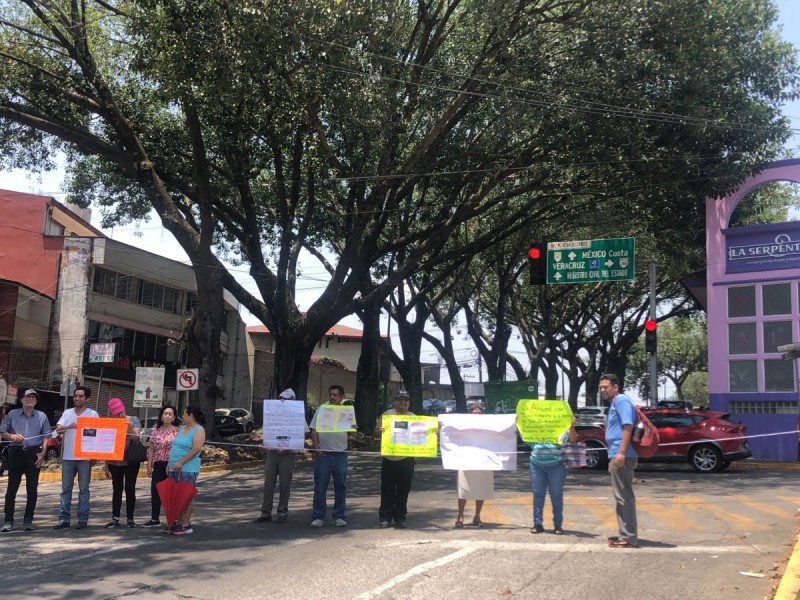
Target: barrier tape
point(369, 452)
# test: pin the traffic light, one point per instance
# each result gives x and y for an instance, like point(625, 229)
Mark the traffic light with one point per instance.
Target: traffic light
point(650, 341)
point(537, 260)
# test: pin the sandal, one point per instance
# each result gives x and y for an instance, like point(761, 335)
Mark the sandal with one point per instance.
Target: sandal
point(459, 524)
point(621, 544)
point(476, 522)
point(537, 528)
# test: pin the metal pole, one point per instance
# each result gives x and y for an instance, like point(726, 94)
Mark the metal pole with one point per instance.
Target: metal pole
point(653, 357)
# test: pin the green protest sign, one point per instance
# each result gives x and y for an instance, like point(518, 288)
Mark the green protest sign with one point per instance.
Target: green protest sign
point(543, 420)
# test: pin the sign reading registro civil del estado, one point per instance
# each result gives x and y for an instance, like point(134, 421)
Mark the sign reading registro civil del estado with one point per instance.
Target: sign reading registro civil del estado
point(587, 261)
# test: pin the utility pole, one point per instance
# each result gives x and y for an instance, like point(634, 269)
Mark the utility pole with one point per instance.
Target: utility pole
point(654, 355)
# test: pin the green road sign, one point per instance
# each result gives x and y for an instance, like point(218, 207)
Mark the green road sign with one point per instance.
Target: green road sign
point(591, 260)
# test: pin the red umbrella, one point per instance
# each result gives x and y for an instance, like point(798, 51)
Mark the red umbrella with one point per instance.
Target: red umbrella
point(175, 497)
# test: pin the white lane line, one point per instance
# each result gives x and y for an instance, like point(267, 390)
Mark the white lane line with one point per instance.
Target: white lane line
point(418, 570)
point(594, 546)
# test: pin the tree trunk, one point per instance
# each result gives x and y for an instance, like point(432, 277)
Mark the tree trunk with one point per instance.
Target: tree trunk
point(367, 376)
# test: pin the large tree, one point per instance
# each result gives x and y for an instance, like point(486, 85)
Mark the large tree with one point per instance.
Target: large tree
point(361, 130)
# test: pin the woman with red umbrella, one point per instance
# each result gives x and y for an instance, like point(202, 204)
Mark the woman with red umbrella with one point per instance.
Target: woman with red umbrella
point(184, 460)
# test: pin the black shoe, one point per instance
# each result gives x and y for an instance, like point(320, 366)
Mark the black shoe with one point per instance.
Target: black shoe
point(263, 519)
point(114, 522)
point(80, 525)
point(62, 525)
point(151, 523)
point(401, 524)
point(131, 524)
point(558, 531)
point(28, 526)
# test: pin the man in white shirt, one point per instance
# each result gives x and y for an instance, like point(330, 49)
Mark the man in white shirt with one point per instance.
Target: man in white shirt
point(67, 425)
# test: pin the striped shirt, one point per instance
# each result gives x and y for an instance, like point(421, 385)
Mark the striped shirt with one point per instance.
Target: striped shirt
point(35, 428)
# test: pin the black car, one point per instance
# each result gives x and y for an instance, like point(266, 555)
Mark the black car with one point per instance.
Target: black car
point(433, 407)
point(226, 425)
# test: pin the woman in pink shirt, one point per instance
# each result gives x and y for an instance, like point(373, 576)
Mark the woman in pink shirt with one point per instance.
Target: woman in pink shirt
point(161, 439)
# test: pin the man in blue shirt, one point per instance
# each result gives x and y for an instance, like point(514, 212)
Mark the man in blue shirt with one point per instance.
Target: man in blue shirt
point(27, 429)
point(621, 460)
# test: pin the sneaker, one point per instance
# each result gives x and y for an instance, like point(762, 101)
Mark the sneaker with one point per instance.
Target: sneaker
point(28, 526)
point(263, 519)
point(401, 524)
point(114, 522)
point(183, 530)
point(151, 523)
point(281, 519)
point(316, 523)
point(340, 522)
point(80, 525)
point(7, 526)
point(62, 525)
point(131, 524)
point(384, 524)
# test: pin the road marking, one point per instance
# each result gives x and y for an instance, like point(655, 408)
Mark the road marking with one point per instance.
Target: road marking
point(716, 511)
point(673, 517)
point(763, 507)
point(418, 570)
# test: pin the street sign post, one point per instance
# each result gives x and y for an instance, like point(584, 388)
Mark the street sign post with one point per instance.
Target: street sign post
point(149, 389)
point(588, 261)
point(188, 379)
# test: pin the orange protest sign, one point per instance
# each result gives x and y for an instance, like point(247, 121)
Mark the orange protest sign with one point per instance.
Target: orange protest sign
point(100, 438)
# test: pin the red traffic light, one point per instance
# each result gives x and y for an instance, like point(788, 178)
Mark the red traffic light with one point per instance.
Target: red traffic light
point(650, 325)
point(534, 253)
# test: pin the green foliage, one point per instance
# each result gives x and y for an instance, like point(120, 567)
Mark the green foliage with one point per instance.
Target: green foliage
point(695, 389)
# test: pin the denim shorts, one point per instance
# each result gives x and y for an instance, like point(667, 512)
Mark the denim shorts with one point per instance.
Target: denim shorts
point(184, 476)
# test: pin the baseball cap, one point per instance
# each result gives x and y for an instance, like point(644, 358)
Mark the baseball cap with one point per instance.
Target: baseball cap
point(402, 394)
point(29, 392)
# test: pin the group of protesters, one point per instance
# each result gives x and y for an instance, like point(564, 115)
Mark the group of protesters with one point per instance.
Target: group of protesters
point(174, 452)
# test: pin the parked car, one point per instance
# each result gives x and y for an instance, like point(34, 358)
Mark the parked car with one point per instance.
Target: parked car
point(227, 425)
point(709, 441)
point(53, 447)
point(433, 407)
point(590, 416)
point(449, 406)
point(680, 404)
point(242, 415)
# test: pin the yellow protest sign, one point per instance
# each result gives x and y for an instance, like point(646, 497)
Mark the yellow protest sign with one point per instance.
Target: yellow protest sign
point(407, 435)
point(542, 420)
point(331, 418)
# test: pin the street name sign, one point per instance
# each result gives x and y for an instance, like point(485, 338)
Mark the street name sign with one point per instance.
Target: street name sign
point(586, 261)
point(149, 389)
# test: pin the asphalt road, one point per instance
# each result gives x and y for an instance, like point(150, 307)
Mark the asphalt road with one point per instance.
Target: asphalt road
point(698, 532)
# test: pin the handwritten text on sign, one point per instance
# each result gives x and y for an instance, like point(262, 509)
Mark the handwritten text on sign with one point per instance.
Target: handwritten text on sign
point(407, 435)
point(542, 420)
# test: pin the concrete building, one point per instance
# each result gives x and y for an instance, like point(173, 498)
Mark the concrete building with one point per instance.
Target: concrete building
point(97, 290)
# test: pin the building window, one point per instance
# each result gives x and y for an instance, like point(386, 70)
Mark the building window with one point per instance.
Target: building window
point(776, 333)
point(743, 375)
point(133, 289)
point(767, 407)
point(778, 375)
point(776, 299)
point(742, 338)
point(741, 302)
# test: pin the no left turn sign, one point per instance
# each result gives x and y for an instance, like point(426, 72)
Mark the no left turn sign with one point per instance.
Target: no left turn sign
point(188, 379)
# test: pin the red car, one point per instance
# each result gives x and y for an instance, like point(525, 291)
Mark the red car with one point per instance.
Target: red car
point(53, 447)
point(709, 441)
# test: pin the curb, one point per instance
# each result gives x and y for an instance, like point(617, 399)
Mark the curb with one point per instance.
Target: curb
point(785, 466)
point(789, 586)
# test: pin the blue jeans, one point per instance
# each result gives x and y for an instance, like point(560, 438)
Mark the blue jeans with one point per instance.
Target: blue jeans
point(84, 470)
point(542, 478)
point(331, 463)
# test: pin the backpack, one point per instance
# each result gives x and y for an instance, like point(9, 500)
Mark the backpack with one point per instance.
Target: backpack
point(645, 445)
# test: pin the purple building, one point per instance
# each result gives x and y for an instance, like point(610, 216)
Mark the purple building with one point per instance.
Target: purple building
point(753, 306)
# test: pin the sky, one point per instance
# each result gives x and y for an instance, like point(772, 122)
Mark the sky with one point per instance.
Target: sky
point(153, 238)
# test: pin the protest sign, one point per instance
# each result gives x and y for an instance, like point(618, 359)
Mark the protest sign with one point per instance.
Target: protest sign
point(478, 442)
point(409, 435)
point(543, 420)
point(100, 438)
point(334, 417)
point(284, 424)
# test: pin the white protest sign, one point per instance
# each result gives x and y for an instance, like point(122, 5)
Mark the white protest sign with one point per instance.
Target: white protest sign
point(149, 389)
point(478, 442)
point(284, 424)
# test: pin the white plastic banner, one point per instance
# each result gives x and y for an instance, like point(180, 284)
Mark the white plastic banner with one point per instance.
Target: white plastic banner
point(478, 442)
